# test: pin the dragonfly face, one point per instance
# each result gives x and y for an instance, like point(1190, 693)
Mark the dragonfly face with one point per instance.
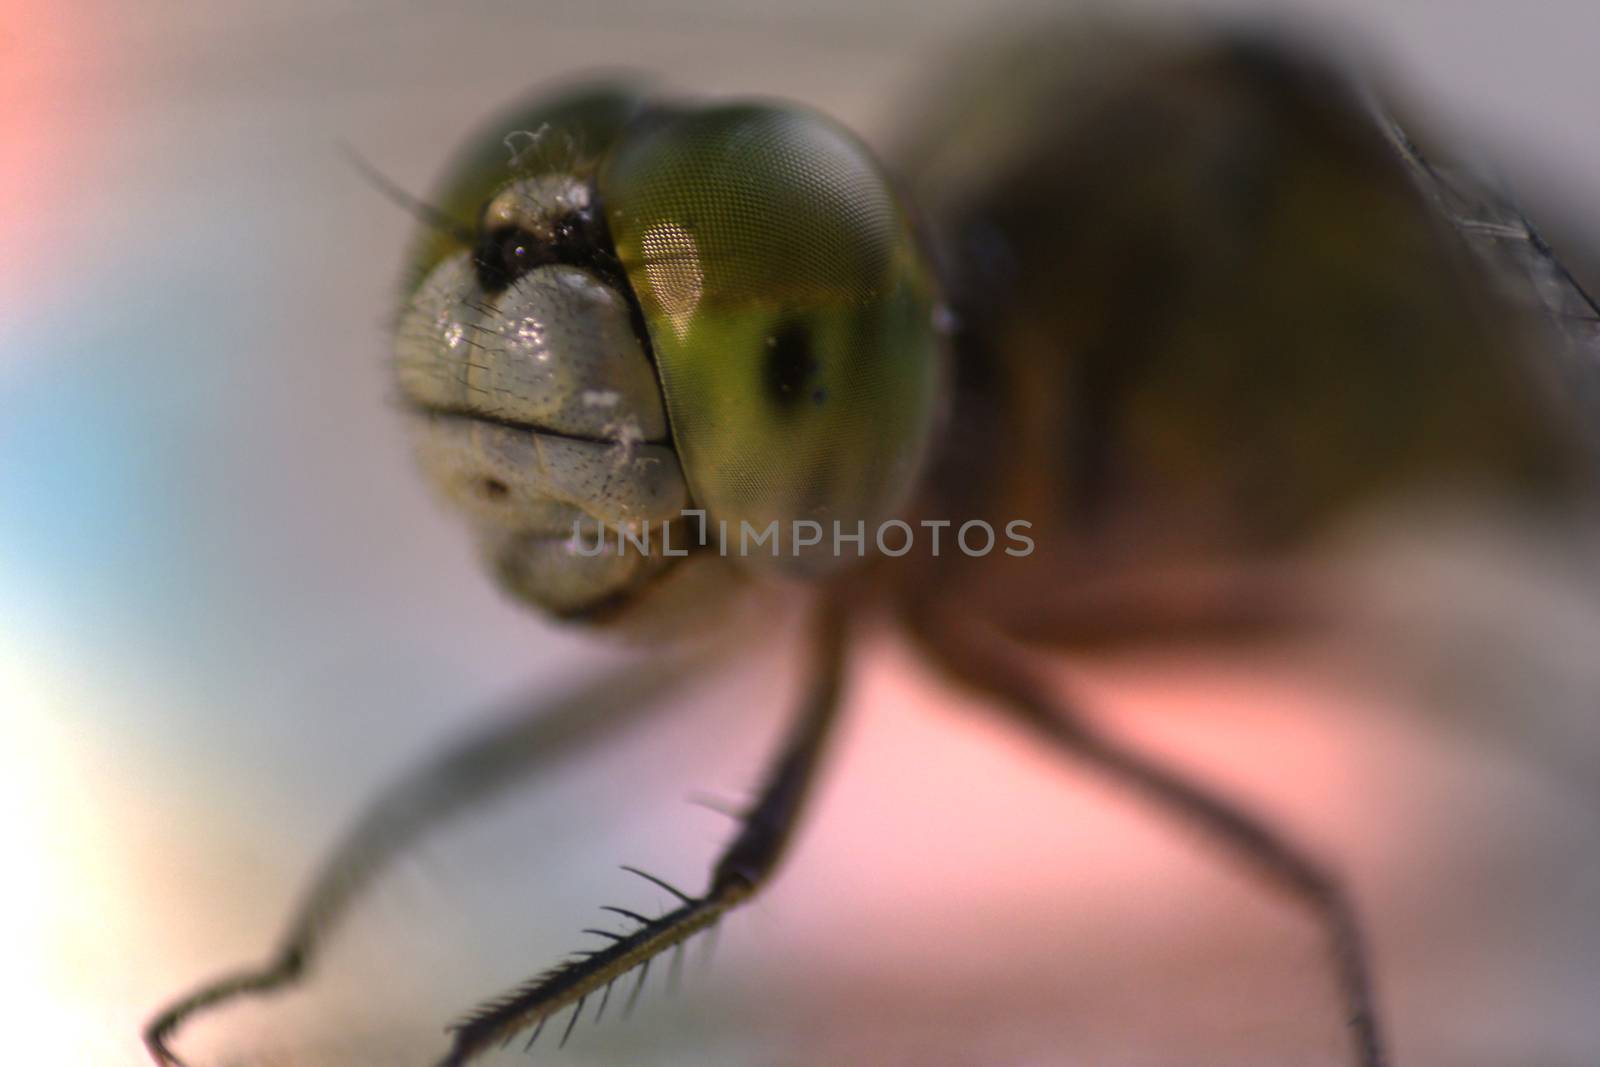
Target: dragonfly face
point(654, 310)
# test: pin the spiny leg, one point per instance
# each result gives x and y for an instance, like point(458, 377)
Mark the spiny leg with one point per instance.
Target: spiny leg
point(743, 868)
point(469, 773)
point(984, 661)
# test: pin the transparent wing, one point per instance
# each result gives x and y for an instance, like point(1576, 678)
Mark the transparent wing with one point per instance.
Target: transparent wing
point(1519, 261)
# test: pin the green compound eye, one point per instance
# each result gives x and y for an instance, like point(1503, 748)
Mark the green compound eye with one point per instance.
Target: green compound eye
point(789, 311)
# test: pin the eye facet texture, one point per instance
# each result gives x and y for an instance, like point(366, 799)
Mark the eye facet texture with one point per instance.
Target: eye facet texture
point(789, 311)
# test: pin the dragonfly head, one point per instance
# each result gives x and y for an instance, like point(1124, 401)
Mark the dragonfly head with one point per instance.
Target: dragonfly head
point(661, 321)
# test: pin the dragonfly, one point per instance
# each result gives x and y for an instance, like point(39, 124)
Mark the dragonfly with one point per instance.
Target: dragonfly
point(1124, 327)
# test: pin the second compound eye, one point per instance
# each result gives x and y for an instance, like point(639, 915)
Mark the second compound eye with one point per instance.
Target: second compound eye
point(503, 255)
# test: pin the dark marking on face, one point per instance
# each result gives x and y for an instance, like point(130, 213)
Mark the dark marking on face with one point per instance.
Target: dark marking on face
point(790, 368)
point(506, 253)
point(494, 489)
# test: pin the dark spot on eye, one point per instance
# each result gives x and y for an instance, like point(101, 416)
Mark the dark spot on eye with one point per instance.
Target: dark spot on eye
point(494, 489)
point(819, 396)
point(790, 366)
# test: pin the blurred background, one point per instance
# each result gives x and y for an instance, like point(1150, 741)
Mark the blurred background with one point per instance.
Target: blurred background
point(229, 611)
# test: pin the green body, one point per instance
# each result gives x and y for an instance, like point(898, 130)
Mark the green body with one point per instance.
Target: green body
point(1206, 320)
